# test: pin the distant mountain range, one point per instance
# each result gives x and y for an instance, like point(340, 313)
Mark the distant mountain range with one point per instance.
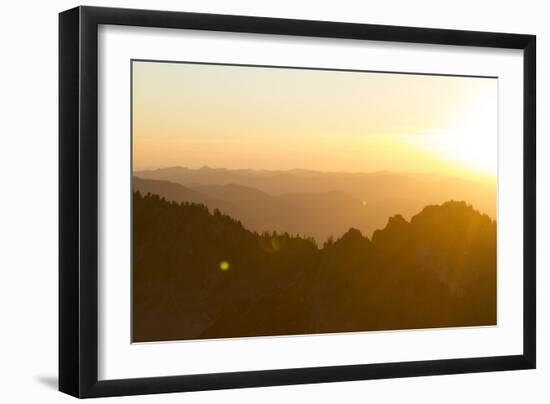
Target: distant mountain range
point(312, 203)
point(315, 214)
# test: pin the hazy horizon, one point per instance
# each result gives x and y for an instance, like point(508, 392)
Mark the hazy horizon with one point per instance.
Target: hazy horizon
point(321, 171)
point(240, 117)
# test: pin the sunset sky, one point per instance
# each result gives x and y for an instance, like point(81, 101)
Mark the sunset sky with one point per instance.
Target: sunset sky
point(196, 115)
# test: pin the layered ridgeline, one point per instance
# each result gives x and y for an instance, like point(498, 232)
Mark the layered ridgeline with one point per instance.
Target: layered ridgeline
point(201, 274)
point(312, 203)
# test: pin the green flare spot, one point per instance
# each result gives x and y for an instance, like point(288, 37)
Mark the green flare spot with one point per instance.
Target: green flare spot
point(275, 244)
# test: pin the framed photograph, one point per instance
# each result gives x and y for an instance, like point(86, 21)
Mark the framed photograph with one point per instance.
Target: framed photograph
point(249, 201)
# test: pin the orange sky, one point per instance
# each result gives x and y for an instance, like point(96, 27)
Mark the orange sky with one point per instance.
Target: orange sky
point(275, 118)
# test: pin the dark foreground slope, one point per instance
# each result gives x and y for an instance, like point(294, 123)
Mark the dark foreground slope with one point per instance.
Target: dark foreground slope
point(438, 270)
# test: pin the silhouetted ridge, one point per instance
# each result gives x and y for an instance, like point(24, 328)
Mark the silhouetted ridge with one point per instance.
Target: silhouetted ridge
point(201, 274)
point(352, 235)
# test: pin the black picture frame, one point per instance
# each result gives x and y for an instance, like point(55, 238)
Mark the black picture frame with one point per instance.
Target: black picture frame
point(78, 201)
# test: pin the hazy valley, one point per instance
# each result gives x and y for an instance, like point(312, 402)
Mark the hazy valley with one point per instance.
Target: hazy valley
point(310, 203)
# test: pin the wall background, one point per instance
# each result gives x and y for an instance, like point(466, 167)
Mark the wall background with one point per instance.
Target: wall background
point(28, 206)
